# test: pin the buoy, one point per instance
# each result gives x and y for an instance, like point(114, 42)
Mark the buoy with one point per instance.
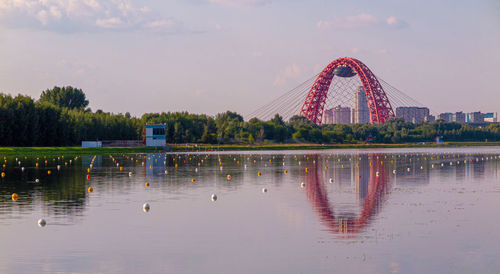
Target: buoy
point(259, 173)
point(146, 207)
point(121, 168)
point(130, 174)
point(229, 177)
point(42, 222)
point(377, 173)
point(37, 180)
point(14, 196)
point(36, 164)
point(90, 189)
point(3, 174)
point(146, 184)
point(302, 185)
point(58, 167)
point(393, 171)
point(213, 197)
point(331, 181)
point(49, 172)
point(307, 169)
point(264, 190)
point(88, 170)
point(193, 180)
point(88, 176)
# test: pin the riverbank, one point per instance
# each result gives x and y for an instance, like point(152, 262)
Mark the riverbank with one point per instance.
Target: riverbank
point(201, 148)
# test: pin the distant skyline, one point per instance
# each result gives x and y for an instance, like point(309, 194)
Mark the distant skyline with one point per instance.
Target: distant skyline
point(209, 56)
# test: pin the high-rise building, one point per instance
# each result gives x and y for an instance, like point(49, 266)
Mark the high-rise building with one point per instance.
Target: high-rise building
point(459, 117)
point(338, 115)
point(476, 117)
point(412, 114)
point(430, 118)
point(360, 114)
point(490, 117)
point(447, 116)
point(328, 116)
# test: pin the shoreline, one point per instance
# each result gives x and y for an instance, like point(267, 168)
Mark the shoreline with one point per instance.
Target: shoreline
point(206, 148)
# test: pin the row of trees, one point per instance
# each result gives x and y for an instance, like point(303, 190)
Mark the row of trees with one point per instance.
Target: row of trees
point(60, 118)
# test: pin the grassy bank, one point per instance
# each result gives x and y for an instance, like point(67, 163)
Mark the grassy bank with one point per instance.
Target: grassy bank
point(334, 146)
point(71, 150)
point(110, 150)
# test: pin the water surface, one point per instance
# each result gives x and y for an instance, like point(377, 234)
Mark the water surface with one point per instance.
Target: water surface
point(334, 211)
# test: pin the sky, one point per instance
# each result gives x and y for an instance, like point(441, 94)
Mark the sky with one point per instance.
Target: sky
point(209, 56)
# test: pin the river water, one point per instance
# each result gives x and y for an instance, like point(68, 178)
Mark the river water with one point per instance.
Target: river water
point(332, 211)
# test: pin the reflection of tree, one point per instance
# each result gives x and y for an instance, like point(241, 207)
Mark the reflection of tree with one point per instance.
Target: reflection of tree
point(62, 193)
point(373, 198)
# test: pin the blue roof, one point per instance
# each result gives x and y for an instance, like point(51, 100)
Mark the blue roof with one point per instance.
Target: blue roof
point(155, 126)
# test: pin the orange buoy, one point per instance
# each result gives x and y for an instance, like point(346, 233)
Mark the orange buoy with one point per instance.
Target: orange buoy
point(14, 196)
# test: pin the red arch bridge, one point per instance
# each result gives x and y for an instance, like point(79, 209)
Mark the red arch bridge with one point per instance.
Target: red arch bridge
point(345, 83)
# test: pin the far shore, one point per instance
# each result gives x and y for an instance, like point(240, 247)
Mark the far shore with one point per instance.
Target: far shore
point(225, 147)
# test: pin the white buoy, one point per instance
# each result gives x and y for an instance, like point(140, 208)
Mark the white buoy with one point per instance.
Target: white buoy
point(166, 171)
point(377, 173)
point(196, 169)
point(37, 180)
point(58, 167)
point(130, 174)
point(302, 185)
point(213, 197)
point(146, 207)
point(264, 190)
point(22, 168)
point(393, 171)
point(91, 165)
point(42, 222)
point(331, 181)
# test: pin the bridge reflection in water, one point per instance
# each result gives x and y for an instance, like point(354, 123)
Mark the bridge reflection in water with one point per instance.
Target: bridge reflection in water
point(372, 185)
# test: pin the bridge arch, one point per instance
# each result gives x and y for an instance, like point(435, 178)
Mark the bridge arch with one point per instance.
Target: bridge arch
point(379, 107)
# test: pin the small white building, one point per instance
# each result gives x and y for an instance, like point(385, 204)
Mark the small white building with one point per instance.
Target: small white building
point(91, 144)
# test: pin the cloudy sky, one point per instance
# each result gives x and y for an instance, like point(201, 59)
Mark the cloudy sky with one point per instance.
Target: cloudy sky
point(208, 56)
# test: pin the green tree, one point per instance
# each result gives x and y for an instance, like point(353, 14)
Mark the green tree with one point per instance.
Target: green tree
point(65, 97)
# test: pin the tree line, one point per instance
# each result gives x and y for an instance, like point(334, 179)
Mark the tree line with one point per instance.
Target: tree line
point(60, 117)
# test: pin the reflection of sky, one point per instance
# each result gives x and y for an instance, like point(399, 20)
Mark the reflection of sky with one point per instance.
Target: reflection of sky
point(447, 212)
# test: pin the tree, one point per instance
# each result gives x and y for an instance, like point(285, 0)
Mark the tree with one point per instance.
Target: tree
point(65, 97)
point(251, 140)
